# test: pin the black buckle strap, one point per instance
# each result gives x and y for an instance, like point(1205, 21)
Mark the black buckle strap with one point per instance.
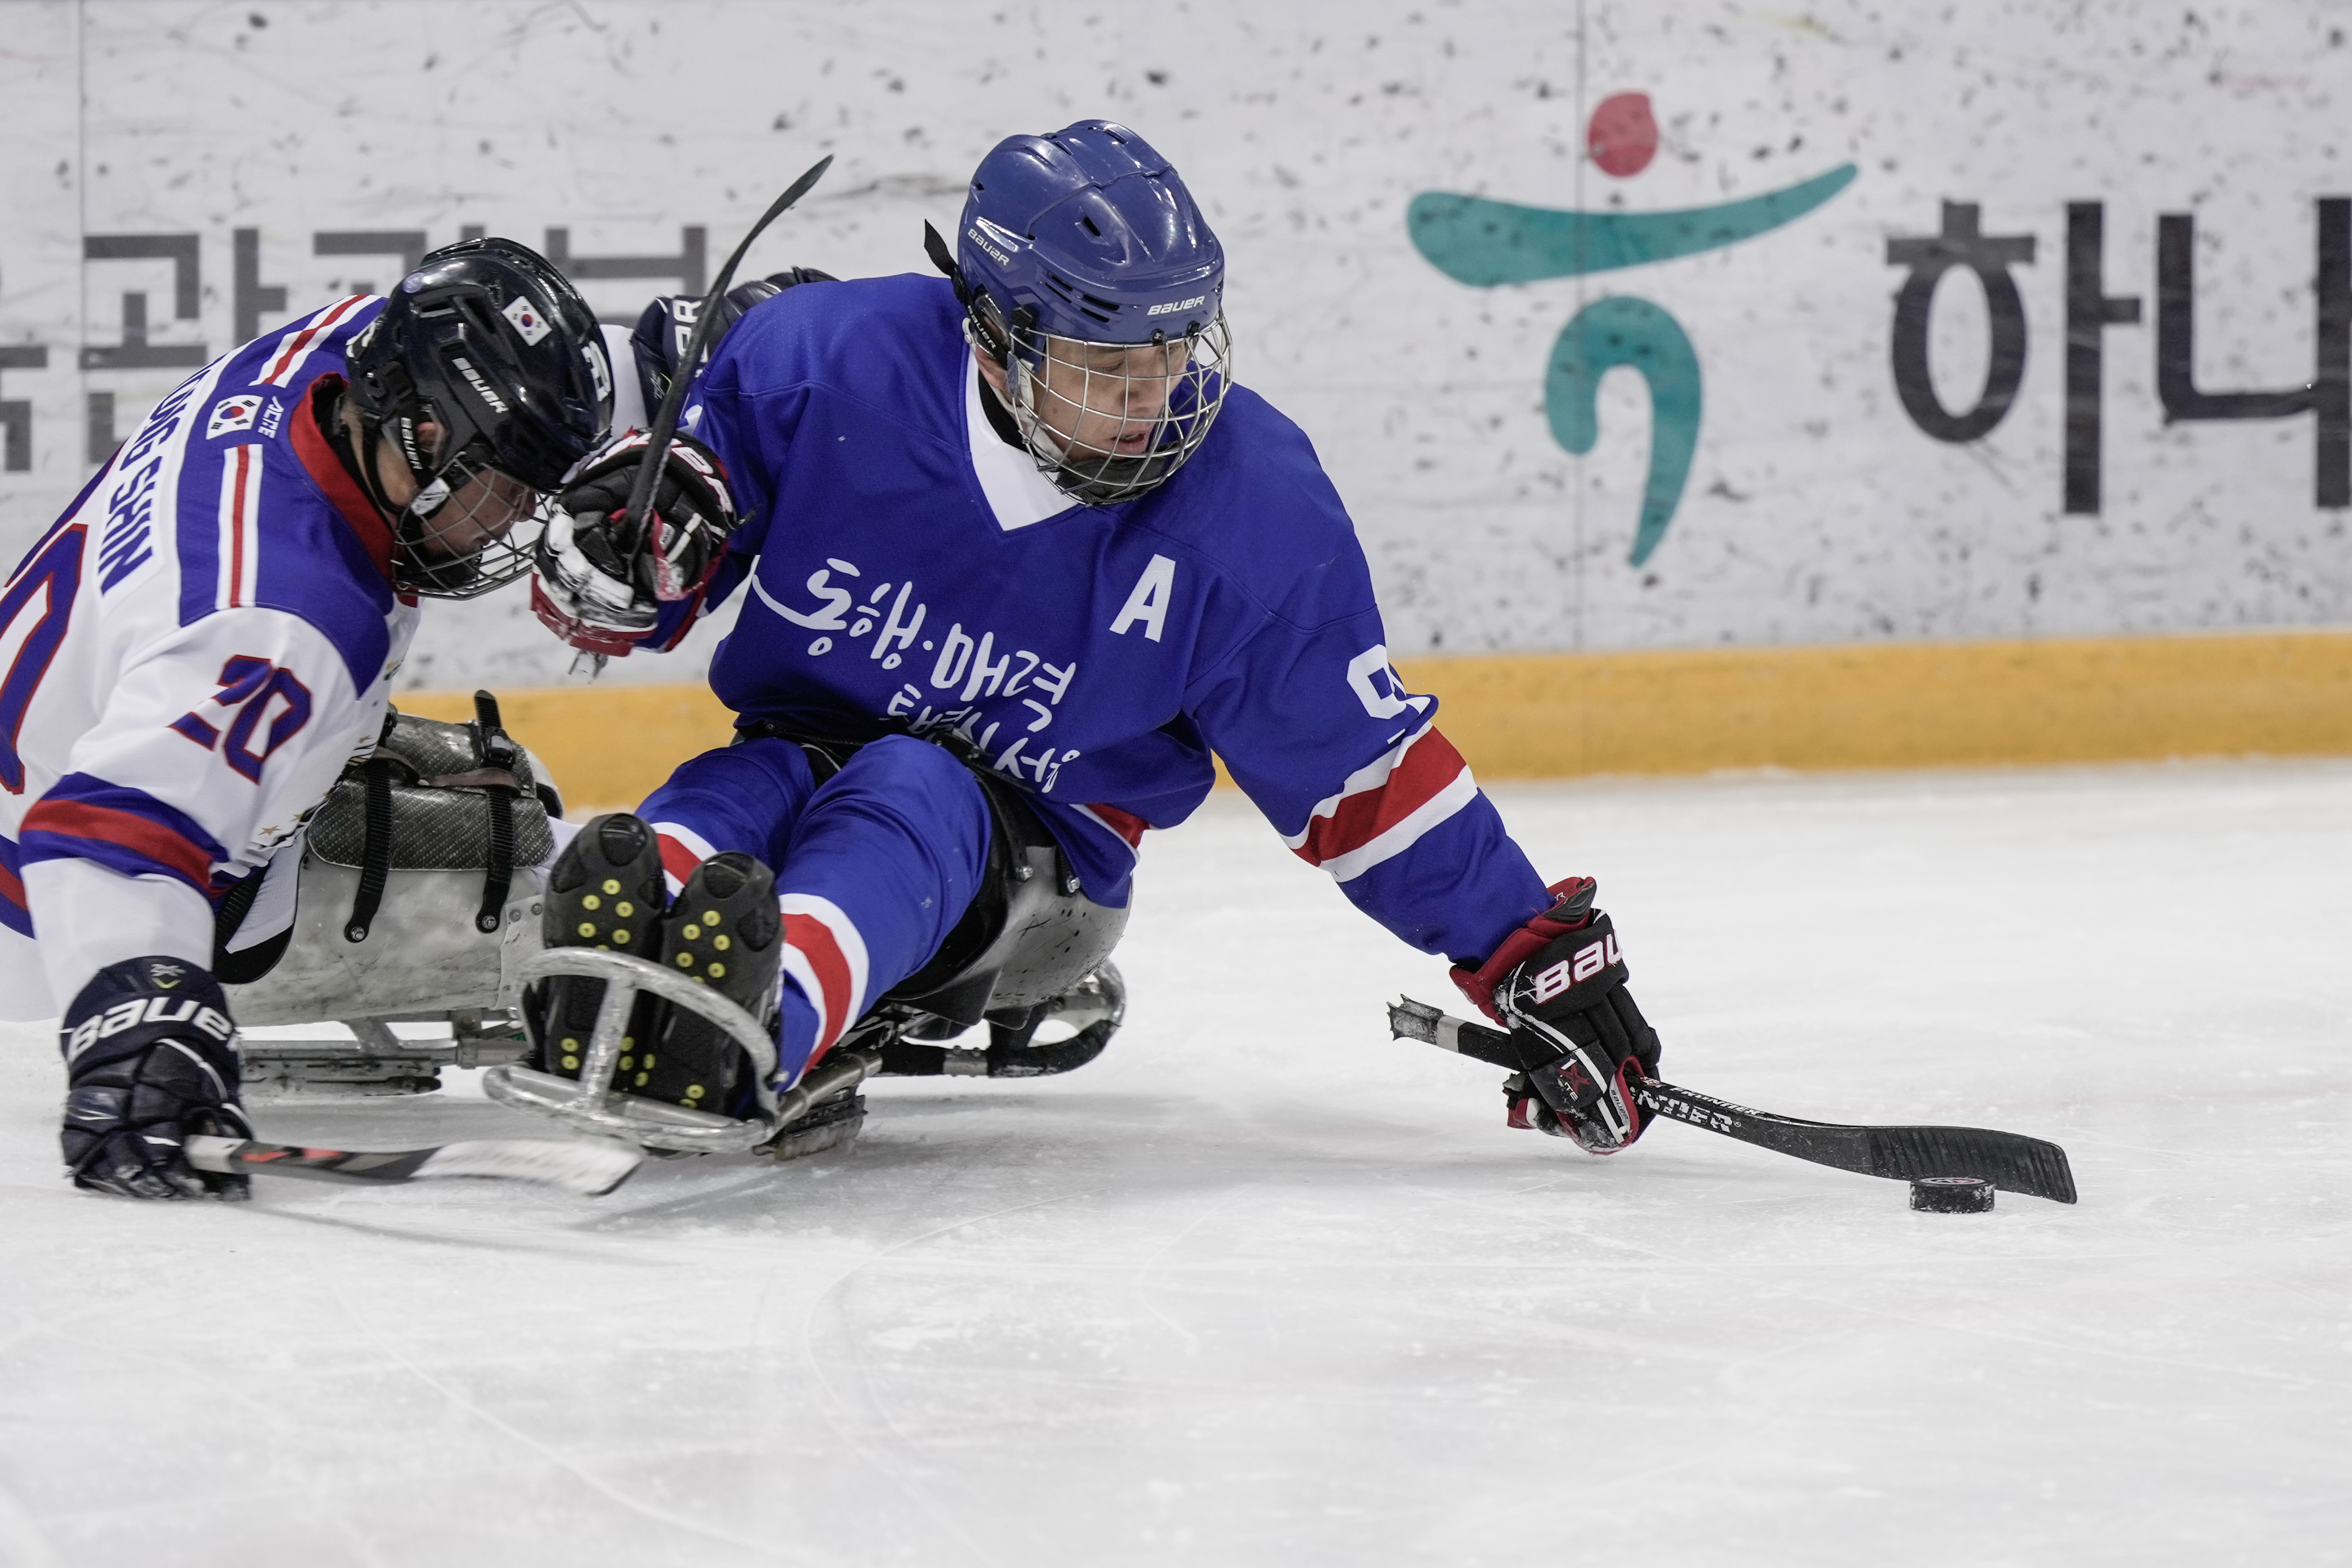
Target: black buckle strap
point(824, 756)
point(498, 756)
point(498, 751)
point(375, 858)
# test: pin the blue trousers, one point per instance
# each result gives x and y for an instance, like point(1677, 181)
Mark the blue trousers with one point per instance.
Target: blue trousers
point(874, 866)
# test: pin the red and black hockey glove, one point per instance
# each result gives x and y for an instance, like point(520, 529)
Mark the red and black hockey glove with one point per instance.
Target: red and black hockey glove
point(599, 585)
point(1558, 984)
point(151, 1057)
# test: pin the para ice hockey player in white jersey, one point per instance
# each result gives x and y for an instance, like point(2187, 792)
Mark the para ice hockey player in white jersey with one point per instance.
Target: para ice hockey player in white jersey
point(193, 651)
point(1020, 557)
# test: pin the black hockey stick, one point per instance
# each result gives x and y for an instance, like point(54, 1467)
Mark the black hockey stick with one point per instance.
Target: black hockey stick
point(2009, 1160)
point(590, 1169)
point(664, 425)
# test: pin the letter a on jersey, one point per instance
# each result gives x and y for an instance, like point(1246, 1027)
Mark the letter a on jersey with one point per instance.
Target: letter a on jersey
point(1149, 602)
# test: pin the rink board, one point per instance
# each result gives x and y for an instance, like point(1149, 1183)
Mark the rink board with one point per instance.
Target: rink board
point(1915, 325)
point(1556, 715)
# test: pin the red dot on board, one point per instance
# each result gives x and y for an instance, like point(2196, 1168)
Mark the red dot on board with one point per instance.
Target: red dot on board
point(1622, 136)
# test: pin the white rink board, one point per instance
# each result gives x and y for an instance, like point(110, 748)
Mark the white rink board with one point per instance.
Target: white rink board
point(1262, 1287)
point(1816, 510)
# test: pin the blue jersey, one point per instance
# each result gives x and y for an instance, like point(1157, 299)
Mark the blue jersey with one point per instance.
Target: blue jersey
point(909, 572)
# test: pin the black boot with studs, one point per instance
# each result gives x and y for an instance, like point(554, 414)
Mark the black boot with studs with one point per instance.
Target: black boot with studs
point(723, 932)
point(606, 890)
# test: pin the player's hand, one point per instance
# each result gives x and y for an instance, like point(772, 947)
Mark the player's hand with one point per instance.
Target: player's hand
point(151, 1058)
point(600, 585)
point(1558, 983)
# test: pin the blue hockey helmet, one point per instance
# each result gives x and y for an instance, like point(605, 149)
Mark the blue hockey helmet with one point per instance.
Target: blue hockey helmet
point(1082, 240)
point(1094, 234)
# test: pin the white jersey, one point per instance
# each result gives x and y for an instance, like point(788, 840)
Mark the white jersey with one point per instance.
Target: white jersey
point(188, 658)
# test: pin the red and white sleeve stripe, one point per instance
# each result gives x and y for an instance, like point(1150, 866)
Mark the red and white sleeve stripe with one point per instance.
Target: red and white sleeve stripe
point(1384, 807)
point(296, 346)
point(825, 956)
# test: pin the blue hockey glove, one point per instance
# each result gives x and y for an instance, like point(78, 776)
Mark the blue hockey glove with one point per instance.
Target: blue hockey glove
point(151, 1057)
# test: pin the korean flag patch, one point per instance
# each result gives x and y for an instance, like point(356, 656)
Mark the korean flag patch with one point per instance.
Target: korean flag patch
point(232, 415)
point(527, 319)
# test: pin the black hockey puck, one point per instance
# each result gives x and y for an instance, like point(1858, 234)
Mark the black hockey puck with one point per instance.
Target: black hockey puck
point(1951, 1195)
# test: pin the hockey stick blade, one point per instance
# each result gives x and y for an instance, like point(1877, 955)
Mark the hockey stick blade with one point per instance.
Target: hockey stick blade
point(664, 425)
point(591, 1169)
point(2011, 1161)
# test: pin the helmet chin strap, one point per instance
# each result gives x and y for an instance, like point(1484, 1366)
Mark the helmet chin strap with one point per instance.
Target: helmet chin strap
point(362, 435)
point(407, 520)
point(431, 488)
point(1019, 397)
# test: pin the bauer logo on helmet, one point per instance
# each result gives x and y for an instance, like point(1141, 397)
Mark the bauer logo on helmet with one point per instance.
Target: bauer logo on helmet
point(488, 393)
point(987, 243)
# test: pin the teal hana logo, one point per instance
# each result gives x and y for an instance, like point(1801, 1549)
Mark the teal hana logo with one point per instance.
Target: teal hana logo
point(1488, 244)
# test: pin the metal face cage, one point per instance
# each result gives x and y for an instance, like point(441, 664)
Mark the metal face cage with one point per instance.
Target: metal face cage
point(1109, 421)
point(471, 529)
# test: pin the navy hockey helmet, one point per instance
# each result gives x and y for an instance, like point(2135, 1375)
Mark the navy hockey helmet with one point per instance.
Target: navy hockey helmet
point(658, 341)
point(1074, 245)
point(494, 348)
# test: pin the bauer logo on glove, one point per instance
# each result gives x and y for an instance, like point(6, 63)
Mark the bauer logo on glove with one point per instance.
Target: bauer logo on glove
point(151, 1058)
point(157, 1010)
point(1559, 984)
point(1587, 962)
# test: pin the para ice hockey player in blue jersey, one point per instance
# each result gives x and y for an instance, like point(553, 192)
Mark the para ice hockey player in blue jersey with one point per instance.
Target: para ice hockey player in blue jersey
point(1021, 557)
point(208, 634)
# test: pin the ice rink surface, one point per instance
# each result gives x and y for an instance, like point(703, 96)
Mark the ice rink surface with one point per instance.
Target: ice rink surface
point(1262, 1286)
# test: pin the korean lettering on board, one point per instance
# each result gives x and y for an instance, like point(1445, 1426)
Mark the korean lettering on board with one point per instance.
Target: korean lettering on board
point(251, 300)
point(2092, 312)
